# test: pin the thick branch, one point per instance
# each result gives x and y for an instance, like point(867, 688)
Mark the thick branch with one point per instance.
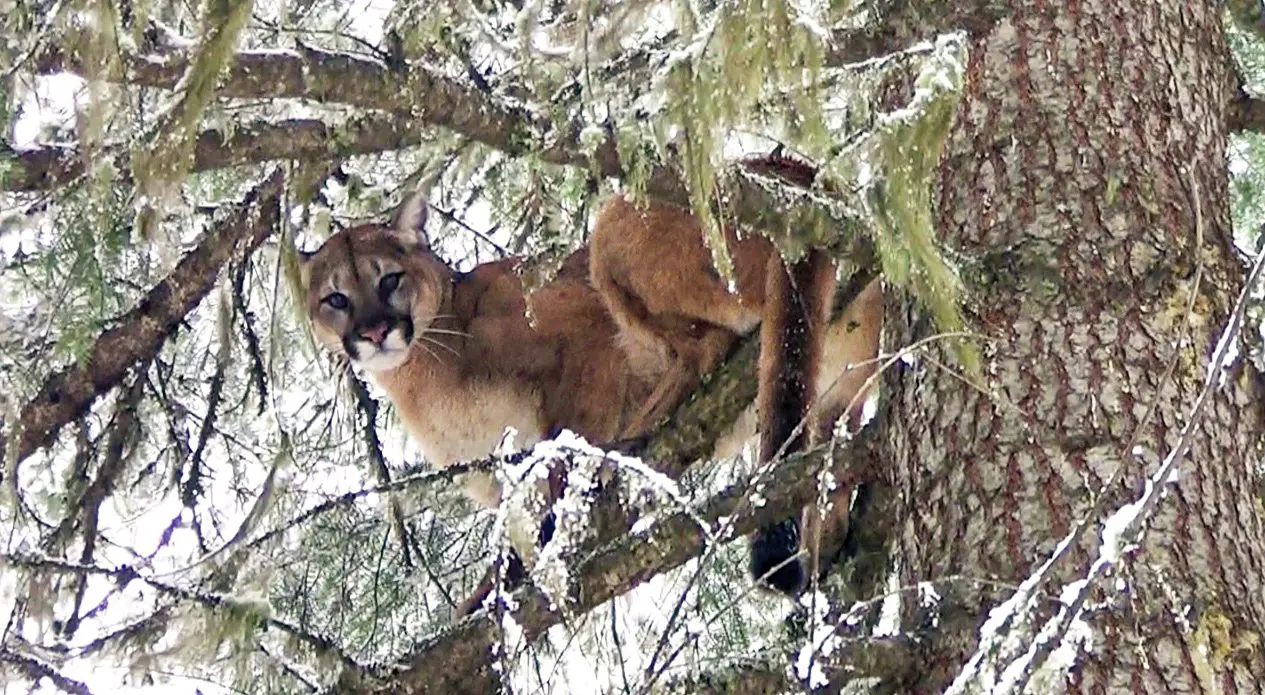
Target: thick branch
point(907, 22)
point(303, 139)
point(458, 660)
point(331, 77)
point(1246, 113)
point(428, 97)
point(140, 333)
point(336, 78)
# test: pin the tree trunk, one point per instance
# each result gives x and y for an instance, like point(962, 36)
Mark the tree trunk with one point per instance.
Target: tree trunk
point(1085, 185)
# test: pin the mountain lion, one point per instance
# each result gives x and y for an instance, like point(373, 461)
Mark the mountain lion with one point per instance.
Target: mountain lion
point(456, 352)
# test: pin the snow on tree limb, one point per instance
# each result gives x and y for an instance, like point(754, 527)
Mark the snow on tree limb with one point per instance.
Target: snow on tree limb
point(759, 201)
point(141, 332)
point(333, 77)
point(160, 162)
point(36, 670)
point(458, 660)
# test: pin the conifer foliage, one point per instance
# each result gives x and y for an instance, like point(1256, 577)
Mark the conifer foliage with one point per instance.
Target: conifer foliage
point(195, 498)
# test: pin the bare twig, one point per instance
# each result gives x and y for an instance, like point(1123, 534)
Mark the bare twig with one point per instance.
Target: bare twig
point(89, 508)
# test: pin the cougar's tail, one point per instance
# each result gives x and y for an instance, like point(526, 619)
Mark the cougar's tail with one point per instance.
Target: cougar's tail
point(797, 309)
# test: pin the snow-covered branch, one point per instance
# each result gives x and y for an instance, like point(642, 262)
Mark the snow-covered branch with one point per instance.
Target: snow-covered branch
point(331, 77)
point(427, 97)
point(459, 659)
point(870, 657)
point(37, 670)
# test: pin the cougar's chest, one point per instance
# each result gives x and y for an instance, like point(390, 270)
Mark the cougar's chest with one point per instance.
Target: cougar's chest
point(455, 419)
point(468, 422)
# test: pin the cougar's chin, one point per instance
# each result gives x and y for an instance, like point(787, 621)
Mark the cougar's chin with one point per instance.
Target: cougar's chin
point(382, 359)
point(392, 352)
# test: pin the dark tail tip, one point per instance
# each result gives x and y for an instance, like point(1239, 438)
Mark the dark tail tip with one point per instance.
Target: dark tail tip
point(773, 557)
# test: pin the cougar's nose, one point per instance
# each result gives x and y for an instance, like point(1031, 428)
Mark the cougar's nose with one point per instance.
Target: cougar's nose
point(376, 333)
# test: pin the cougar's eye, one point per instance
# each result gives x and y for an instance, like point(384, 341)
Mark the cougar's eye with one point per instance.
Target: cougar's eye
point(388, 284)
point(337, 301)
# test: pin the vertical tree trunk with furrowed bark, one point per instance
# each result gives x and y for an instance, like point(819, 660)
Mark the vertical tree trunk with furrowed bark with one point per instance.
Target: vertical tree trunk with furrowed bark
point(1085, 185)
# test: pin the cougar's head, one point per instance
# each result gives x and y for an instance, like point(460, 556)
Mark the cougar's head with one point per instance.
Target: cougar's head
point(372, 290)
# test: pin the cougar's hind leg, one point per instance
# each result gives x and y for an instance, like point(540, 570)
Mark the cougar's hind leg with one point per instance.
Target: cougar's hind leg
point(824, 532)
point(695, 352)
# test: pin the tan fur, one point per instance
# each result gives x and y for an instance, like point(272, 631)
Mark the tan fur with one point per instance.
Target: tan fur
point(677, 320)
point(848, 360)
point(656, 277)
point(475, 364)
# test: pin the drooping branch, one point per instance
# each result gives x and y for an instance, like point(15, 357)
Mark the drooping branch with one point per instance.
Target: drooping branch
point(162, 160)
point(141, 332)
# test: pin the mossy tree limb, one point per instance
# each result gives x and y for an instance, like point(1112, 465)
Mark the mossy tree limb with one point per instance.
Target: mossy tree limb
point(906, 22)
point(302, 139)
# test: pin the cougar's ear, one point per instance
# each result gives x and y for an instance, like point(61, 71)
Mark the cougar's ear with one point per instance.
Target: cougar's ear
point(410, 221)
point(304, 259)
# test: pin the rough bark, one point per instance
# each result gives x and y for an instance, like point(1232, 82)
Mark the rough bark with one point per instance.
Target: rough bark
point(1085, 183)
point(68, 393)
